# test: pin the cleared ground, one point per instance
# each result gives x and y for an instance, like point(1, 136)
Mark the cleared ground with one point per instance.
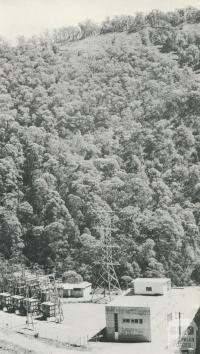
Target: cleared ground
point(82, 321)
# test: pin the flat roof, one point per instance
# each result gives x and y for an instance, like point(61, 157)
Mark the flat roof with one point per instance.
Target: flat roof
point(70, 286)
point(82, 285)
point(5, 294)
point(139, 301)
point(186, 301)
point(151, 280)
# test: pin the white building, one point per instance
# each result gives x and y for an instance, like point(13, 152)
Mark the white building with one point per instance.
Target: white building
point(82, 289)
point(137, 318)
point(151, 286)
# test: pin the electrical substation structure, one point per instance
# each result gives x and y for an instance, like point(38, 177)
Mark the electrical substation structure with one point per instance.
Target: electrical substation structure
point(33, 295)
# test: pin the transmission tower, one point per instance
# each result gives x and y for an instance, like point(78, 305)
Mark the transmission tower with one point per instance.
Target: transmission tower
point(107, 282)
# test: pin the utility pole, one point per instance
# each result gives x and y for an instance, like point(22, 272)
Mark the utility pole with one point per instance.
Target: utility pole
point(179, 330)
point(107, 278)
point(179, 326)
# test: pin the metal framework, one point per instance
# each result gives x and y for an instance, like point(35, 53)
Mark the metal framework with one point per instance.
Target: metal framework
point(32, 285)
point(55, 298)
point(107, 283)
point(29, 315)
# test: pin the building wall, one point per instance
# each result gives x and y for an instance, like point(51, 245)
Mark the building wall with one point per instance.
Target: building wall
point(156, 287)
point(167, 287)
point(77, 292)
point(128, 332)
point(87, 291)
point(82, 292)
point(67, 292)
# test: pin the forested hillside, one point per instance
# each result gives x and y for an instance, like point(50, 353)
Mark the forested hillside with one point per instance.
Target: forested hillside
point(106, 123)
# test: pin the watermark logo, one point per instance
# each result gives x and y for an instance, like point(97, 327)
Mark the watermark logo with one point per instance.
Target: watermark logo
point(182, 335)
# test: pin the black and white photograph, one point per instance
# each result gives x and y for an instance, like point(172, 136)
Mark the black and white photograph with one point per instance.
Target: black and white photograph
point(99, 177)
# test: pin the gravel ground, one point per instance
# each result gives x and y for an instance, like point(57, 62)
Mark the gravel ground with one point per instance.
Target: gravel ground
point(7, 348)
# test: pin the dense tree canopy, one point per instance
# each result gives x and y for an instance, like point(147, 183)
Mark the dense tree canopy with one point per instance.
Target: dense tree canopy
point(94, 127)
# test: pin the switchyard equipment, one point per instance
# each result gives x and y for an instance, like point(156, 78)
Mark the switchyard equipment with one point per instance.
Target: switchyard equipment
point(48, 309)
point(55, 298)
point(17, 303)
point(30, 308)
point(44, 295)
point(31, 305)
point(107, 282)
point(5, 301)
point(18, 282)
point(27, 291)
point(51, 305)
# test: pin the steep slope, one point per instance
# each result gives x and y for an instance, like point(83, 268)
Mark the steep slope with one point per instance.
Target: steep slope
point(99, 125)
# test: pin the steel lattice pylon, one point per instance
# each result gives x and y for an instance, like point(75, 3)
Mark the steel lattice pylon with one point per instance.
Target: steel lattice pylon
point(107, 278)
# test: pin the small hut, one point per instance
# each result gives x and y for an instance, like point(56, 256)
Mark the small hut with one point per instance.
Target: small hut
point(82, 289)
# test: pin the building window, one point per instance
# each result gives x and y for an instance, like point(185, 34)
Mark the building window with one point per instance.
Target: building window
point(126, 320)
point(140, 321)
point(148, 288)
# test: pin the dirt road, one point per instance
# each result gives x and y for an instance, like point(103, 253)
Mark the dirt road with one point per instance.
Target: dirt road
point(14, 343)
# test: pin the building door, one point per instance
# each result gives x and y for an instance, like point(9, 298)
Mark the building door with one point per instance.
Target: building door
point(116, 325)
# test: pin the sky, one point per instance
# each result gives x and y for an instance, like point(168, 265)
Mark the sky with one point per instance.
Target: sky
point(30, 17)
